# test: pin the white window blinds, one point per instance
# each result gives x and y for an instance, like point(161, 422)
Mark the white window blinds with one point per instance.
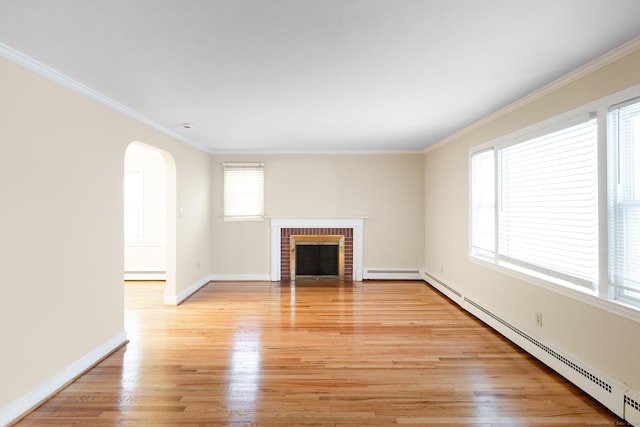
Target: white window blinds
point(243, 191)
point(548, 204)
point(624, 199)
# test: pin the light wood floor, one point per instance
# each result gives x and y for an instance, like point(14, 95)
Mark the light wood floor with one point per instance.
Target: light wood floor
point(317, 354)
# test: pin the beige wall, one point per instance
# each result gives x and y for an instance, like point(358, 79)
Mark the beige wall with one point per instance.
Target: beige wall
point(61, 225)
point(385, 189)
point(606, 341)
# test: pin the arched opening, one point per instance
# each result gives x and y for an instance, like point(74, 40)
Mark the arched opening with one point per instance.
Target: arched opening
point(150, 216)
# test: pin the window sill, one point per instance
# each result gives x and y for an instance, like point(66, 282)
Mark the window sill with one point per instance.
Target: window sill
point(570, 290)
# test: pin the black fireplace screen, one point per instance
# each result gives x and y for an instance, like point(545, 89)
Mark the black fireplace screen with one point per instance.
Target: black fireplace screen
point(317, 260)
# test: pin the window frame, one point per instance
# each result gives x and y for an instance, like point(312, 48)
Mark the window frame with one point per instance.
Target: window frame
point(603, 295)
point(619, 291)
point(258, 213)
point(134, 215)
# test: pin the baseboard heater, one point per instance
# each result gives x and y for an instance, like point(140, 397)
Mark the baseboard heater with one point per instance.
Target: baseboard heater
point(145, 275)
point(391, 274)
point(613, 394)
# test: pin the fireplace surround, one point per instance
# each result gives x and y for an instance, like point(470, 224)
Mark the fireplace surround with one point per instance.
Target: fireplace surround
point(282, 230)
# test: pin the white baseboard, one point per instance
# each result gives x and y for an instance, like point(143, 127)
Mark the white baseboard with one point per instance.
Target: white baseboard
point(613, 394)
point(35, 397)
point(178, 299)
point(391, 274)
point(240, 277)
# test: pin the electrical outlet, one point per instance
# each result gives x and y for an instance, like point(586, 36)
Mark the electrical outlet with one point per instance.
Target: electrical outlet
point(441, 268)
point(539, 319)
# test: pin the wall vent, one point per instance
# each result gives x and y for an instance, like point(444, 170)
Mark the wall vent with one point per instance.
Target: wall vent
point(391, 274)
point(577, 368)
point(629, 401)
point(632, 409)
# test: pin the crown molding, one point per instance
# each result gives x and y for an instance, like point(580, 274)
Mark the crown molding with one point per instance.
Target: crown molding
point(590, 67)
point(56, 76)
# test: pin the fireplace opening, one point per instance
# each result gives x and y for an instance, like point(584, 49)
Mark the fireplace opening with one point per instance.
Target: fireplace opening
point(317, 255)
point(317, 260)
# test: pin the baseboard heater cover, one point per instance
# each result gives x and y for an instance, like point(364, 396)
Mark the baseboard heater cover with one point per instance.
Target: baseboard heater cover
point(614, 394)
point(145, 275)
point(632, 407)
point(145, 272)
point(391, 274)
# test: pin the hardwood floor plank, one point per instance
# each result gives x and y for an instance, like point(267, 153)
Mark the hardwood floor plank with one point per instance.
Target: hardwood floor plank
point(321, 354)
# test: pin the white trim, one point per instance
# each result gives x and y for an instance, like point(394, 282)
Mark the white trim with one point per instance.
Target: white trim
point(354, 223)
point(35, 397)
point(391, 274)
point(343, 152)
point(240, 277)
point(48, 72)
point(604, 60)
point(177, 300)
point(599, 106)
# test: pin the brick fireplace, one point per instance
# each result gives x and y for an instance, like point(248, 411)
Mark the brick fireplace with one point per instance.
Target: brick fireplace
point(282, 230)
point(287, 235)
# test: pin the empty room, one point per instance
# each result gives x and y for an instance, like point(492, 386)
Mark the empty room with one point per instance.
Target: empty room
point(327, 213)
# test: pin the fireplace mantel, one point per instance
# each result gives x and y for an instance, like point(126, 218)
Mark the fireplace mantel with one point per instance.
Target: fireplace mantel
point(277, 224)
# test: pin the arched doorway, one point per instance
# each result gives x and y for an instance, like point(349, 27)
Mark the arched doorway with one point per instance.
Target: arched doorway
point(150, 216)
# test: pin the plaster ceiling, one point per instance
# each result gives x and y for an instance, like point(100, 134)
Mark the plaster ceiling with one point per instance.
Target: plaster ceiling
point(315, 75)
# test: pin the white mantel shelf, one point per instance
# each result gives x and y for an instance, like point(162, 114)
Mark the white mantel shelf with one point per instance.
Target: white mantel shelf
point(278, 223)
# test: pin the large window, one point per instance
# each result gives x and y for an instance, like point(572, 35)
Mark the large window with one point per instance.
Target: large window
point(545, 208)
point(559, 202)
point(624, 200)
point(243, 191)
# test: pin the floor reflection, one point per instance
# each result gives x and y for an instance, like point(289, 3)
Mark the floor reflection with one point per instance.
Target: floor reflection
point(244, 376)
point(292, 306)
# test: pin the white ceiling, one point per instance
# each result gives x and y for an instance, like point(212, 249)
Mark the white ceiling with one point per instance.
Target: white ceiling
point(315, 75)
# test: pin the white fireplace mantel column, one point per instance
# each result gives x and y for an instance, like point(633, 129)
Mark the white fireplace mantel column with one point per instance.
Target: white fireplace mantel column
point(277, 224)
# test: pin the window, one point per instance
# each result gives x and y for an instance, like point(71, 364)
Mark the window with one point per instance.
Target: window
point(558, 203)
point(535, 204)
point(483, 203)
point(243, 191)
point(133, 205)
point(624, 200)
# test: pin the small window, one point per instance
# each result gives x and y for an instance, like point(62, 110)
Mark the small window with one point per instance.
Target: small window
point(133, 188)
point(624, 200)
point(243, 191)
